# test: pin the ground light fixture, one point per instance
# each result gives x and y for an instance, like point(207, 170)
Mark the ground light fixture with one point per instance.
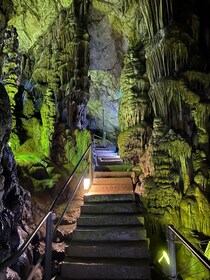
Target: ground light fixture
point(164, 256)
point(86, 183)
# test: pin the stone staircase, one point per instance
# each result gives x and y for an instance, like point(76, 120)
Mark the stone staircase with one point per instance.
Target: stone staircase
point(110, 239)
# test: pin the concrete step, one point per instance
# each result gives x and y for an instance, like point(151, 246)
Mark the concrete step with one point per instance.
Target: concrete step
point(132, 249)
point(109, 208)
point(118, 168)
point(114, 174)
point(111, 189)
point(107, 162)
point(104, 150)
point(105, 269)
point(108, 158)
point(109, 233)
point(109, 198)
point(106, 155)
point(109, 220)
point(112, 181)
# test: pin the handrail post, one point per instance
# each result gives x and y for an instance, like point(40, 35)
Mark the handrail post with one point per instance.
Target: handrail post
point(172, 254)
point(104, 131)
point(104, 139)
point(91, 164)
point(48, 248)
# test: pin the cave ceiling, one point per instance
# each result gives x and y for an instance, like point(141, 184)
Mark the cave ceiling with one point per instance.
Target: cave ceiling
point(33, 18)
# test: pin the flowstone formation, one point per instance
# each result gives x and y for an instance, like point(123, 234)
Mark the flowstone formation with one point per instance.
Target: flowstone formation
point(50, 100)
point(48, 89)
point(135, 108)
point(173, 162)
point(149, 60)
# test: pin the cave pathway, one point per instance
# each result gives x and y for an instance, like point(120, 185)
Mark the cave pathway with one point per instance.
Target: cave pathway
point(109, 241)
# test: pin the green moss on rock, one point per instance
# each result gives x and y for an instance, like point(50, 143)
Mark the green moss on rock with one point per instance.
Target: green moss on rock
point(82, 141)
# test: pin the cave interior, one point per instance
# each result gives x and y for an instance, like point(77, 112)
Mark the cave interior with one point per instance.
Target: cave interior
point(137, 70)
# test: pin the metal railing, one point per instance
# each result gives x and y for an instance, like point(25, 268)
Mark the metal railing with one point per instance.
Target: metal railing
point(48, 219)
point(172, 233)
point(103, 140)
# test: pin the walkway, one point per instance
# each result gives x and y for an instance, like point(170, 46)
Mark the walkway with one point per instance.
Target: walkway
point(110, 240)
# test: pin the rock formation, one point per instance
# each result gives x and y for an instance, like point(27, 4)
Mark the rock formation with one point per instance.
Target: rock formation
point(139, 70)
point(173, 160)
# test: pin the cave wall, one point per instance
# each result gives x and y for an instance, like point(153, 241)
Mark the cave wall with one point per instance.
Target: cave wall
point(44, 92)
point(110, 32)
point(147, 64)
point(166, 133)
point(15, 211)
point(48, 85)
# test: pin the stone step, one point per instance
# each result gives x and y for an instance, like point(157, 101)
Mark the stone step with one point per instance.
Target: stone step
point(109, 233)
point(106, 162)
point(108, 158)
point(109, 220)
point(106, 155)
point(114, 174)
point(111, 189)
point(132, 249)
point(110, 239)
point(105, 269)
point(109, 198)
point(112, 181)
point(118, 168)
point(109, 208)
point(104, 150)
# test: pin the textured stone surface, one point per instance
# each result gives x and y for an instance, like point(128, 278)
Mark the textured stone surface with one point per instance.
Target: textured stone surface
point(152, 58)
point(32, 19)
point(106, 55)
point(13, 202)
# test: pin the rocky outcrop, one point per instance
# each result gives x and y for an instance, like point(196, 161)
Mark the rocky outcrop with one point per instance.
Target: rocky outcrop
point(51, 97)
point(148, 63)
point(173, 168)
point(33, 19)
point(135, 107)
point(14, 212)
point(110, 35)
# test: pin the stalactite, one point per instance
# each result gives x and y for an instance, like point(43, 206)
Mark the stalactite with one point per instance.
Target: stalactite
point(126, 4)
point(157, 14)
point(48, 115)
point(146, 11)
point(11, 74)
point(134, 108)
point(11, 67)
point(166, 58)
point(195, 27)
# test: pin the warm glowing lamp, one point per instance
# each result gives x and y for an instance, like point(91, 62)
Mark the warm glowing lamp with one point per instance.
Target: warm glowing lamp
point(86, 183)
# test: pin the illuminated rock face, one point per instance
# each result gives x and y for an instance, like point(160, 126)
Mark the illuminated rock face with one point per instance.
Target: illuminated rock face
point(172, 160)
point(49, 95)
point(146, 63)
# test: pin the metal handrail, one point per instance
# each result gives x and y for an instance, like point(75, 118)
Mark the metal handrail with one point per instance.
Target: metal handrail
point(70, 178)
point(70, 199)
point(48, 219)
point(172, 232)
point(99, 137)
point(47, 273)
point(10, 260)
